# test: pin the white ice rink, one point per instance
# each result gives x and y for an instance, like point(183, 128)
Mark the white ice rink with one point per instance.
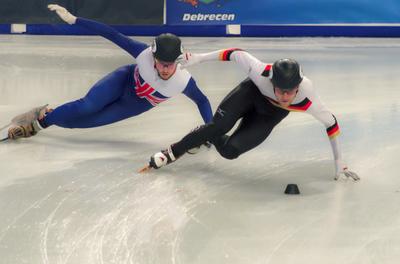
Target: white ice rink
point(73, 196)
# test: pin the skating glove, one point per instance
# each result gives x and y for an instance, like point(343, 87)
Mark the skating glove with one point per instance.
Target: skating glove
point(341, 169)
point(188, 59)
point(63, 13)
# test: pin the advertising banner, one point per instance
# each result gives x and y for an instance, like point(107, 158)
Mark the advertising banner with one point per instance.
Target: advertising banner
point(278, 12)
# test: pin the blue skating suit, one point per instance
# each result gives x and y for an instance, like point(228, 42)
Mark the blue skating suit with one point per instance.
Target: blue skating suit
point(128, 91)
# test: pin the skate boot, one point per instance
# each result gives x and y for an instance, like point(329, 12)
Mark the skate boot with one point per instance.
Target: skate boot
point(162, 158)
point(27, 124)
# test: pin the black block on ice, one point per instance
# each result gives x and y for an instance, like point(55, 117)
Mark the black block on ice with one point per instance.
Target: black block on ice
point(292, 189)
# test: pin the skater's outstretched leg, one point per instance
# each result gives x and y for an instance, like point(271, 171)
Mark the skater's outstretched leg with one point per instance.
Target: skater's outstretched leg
point(105, 92)
point(108, 101)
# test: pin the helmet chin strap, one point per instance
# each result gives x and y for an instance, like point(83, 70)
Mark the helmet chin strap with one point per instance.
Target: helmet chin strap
point(154, 60)
point(154, 46)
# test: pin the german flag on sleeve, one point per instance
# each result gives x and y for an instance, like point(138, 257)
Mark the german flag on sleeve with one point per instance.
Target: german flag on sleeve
point(267, 70)
point(225, 55)
point(333, 131)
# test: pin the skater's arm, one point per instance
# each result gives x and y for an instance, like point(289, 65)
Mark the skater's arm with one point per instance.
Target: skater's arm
point(194, 93)
point(333, 131)
point(244, 59)
point(133, 47)
point(321, 113)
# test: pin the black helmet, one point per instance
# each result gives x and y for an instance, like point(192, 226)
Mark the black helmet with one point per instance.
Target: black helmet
point(286, 74)
point(166, 47)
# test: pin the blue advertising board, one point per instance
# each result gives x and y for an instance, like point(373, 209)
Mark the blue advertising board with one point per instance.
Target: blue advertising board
point(278, 12)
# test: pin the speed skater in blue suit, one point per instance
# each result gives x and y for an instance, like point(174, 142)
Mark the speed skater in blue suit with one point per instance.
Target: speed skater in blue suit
point(126, 92)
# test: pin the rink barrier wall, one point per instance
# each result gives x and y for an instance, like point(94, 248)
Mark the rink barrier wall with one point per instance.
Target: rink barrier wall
point(224, 30)
point(5, 29)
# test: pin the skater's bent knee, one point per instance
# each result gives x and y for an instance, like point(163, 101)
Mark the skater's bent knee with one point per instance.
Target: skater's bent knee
point(229, 152)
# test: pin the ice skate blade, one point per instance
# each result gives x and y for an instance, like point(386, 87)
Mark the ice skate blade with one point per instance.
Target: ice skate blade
point(145, 169)
point(4, 133)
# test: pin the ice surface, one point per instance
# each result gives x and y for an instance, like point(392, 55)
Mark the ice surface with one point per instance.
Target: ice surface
point(73, 196)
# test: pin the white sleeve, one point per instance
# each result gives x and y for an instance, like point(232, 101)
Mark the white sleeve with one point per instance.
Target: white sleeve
point(320, 112)
point(337, 152)
point(245, 60)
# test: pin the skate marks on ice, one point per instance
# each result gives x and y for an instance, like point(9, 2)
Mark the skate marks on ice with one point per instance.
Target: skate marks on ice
point(193, 211)
point(96, 212)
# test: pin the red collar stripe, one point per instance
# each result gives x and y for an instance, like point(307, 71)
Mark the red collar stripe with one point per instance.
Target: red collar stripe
point(302, 106)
